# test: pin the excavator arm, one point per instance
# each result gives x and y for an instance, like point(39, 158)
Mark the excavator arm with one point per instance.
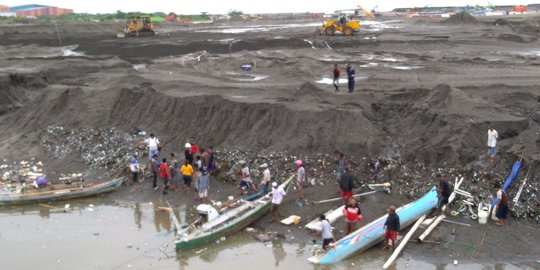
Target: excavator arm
point(368, 14)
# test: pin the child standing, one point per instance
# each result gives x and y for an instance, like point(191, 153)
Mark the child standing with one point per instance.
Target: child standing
point(392, 228)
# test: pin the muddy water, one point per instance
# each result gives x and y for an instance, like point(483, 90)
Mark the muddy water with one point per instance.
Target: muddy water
point(112, 235)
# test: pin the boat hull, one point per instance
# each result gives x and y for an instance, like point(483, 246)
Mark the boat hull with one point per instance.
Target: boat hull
point(373, 233)
point(60, 194)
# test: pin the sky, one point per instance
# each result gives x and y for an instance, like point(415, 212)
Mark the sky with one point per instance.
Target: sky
point(246, 6)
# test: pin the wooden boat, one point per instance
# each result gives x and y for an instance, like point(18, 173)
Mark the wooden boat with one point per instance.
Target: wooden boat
point(373, 233)
point(214, 224)
point(59, 192)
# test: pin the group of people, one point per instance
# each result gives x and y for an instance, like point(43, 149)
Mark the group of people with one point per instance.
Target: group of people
point(195, 171)
point(351, 73)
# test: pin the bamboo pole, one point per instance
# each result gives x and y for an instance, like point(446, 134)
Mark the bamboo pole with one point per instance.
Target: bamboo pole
point(430, 228)
point(404, 242)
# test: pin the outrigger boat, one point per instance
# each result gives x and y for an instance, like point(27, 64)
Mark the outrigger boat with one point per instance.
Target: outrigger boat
point(214, 224)
point(58, 192)
point(373, 233)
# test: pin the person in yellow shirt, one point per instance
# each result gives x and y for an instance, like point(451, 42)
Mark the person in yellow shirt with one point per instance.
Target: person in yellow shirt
point(187, 173)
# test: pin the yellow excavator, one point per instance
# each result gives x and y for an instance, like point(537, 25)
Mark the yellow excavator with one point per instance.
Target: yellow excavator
point(137, 26)
point(342, 25)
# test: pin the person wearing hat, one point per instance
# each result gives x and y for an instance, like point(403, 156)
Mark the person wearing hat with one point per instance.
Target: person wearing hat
point(392, 225)
point(443, 194)
point(277, 197)
point(300, 177)
point(266, 177)
point(187, 154)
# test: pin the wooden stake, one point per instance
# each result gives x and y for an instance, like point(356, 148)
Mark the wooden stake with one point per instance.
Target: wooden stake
point(481, 244)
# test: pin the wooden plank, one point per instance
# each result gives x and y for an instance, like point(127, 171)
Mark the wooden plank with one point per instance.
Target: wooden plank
point(404, 242)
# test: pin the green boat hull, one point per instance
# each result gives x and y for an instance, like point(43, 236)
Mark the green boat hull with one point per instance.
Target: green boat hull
point(60, 194)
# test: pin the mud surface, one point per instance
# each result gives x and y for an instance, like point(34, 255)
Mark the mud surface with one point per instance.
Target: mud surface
point(425, 95)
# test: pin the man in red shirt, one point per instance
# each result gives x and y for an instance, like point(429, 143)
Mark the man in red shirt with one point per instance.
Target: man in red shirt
point(353, 216)
point(337, 74)
point(165, 175)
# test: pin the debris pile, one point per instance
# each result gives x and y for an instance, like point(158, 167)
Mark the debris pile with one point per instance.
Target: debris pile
point(461, 18)
point(103, 148)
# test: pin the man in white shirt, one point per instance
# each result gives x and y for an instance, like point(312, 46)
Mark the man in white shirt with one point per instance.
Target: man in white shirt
point(153, 144)
point(492, 143)
point(266, 177)
point(277, 197)
point(245, 181)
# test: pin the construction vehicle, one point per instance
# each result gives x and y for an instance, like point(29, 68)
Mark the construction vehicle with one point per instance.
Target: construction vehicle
point(342, 25)
point(137, 26)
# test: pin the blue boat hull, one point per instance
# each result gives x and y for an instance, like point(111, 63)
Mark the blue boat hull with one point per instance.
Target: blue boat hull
point(374, 232)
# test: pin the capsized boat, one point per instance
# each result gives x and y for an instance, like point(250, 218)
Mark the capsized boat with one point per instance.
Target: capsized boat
point(59, 192)
point(215, 223)
point(373, 233)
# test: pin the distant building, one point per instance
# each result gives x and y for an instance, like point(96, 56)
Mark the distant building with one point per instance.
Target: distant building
point(39, 10)
point(5, 11)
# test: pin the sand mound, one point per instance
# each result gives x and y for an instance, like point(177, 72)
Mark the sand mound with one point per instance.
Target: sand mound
point(461, 18)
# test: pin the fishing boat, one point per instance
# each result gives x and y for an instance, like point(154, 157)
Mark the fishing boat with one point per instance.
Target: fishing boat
point(58, 192)
point(373, 233)
point(215, 223)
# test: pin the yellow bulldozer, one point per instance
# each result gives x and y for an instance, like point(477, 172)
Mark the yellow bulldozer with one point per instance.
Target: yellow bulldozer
point(137, 26)
point(342, 25)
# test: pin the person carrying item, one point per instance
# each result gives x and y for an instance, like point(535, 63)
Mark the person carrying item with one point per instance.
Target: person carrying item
point(278, 193)
point(392, 225)
point(353, 216)
point(325, 230)
point(443, 194)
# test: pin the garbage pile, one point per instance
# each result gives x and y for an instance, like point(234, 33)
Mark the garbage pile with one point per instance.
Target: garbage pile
point(102, 148)
point(20, 172)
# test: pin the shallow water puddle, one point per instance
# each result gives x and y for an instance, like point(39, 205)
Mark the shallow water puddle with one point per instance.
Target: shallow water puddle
point(405, 67)
point(138, 236)
point(256, 28)
point(341, 80)
point(246, 77)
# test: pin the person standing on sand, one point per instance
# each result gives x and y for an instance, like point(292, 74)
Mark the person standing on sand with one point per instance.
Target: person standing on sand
point(325, 230)
point(443, 194)
point(154, 169)
point(165, 175)
point(173, 168)
point(353, 216)
point(340, 166)
point(152, 144)
point(278, 193)
point(300, 177)
point(134, 168)
point(502, 205)
point(204, 158)
point(203, 180)
point(337, 74)
point(265, 182)
point(392, 225)
point(187, 153)
point(211, 160)
point(187, 173)
point(492, 143)
point(350, 77)
point(347, 184)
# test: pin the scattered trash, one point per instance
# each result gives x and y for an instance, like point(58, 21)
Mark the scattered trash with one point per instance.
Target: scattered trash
point(246, 67)
point(262, 237)
point(291, 219)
